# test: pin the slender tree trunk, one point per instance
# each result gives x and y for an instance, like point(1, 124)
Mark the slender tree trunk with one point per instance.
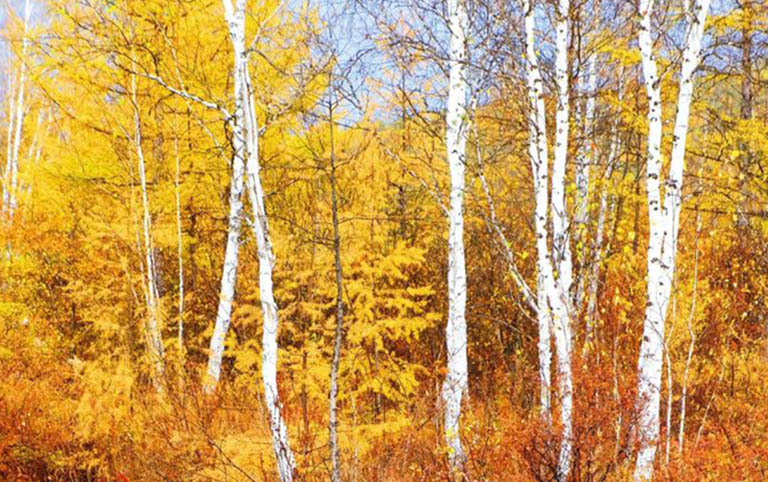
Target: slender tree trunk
point(455, 383)
point(156, 348)
point(553, 295)
point(180, 243)
point(12, 169)
point(235, 220)
point(537, 151)
point(10, 97)
point(692, 333)
point(649, 364)
point(286, 464)
point(560, 224)
point(560, 291)
point(332, 412)
point(584, 161)
point(664, 224)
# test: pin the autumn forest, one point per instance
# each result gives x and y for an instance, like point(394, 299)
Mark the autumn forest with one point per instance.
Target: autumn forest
point(383, 240)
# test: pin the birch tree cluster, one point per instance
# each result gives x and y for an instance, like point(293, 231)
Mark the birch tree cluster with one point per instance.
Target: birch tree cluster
point(384, 240)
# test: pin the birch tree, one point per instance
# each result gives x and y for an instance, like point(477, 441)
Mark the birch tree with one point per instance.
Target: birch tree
point(455, 383)
point(234, 225)
point(249, 147)
point(663, 220)
point(16, 117)
point(537, 151)
point(338, 332)
point(154, 336)
point(584, 160)
point(560, 291)
point(553, 312)
point(560, 225)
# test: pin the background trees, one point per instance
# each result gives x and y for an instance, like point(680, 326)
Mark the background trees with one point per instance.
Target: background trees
point(143, 139)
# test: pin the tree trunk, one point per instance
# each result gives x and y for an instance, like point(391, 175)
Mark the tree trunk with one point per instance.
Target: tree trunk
point(286, 465)
point(664, 224)
point(537, 151)
point(154, 335)
point(560, 290)
point(20, 111)
point(584, 161)
point(235, 219)
point(180, 243)
point(560, 224)
point(455, 383)
point(332, 415)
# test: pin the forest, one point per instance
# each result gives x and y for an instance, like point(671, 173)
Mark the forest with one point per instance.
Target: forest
point(384, 240)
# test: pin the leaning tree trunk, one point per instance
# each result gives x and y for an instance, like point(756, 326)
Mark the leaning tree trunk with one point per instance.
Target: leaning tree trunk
point(235, 219)
point(286, 465)
point(285, 462)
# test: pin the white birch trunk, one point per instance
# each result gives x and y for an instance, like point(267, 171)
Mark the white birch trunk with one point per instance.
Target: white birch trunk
point(584, 160)
point(10, 97)
point(286, 465)
point(285, 460)
point(649, 363)
point(554, 313)
point(339, 332)
point(674, 183)
point(537, 151)
point(154, 336)
point(560, 290)
point(663, 225)
point(20, 114)
point(235, 220)
point(560, 225)
point(455, 383)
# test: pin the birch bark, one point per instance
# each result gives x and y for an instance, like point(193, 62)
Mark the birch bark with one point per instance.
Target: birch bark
point(553, 294)
point(154, 336)
point(560, 224)
point(537, 151)
point(455, 383)
point(246, 172)
point(235, 218)
point(286, 465)
point(664, 223)
point(12, 170)
point(338, 335)
point(585, 159)
point(560, 289)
